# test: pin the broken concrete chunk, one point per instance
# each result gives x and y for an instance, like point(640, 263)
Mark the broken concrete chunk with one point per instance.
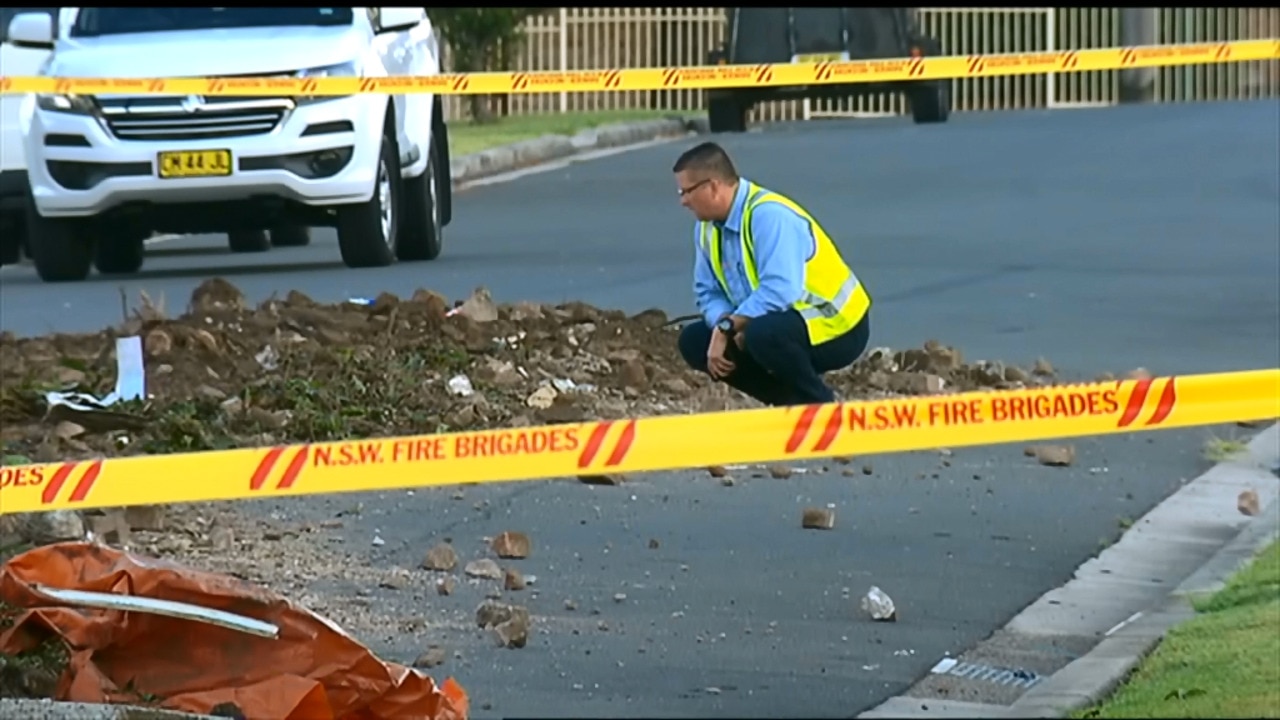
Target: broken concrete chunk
point(1055, 455)
point(479, 307)
point(442, 558)
point(879, 605)
point(513, 633)
point(512, 579)
point(445, 585)
point(779, 472)
point(483, 568)
point(491, 613)
point(434, 656)
point(1247, 503)
point(511, 545)
point(818, 519)
point(1043, 368)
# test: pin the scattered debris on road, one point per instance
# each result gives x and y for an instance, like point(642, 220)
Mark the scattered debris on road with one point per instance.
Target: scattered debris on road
point(1247, 503)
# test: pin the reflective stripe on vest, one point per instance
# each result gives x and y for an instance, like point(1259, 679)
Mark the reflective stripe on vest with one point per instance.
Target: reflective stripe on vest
point(825, 317)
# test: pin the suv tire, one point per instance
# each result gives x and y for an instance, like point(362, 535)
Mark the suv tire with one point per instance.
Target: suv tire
point(367, 231)
point(726, 114)
point(422, 232)
point(62, 249)
point(930, 102)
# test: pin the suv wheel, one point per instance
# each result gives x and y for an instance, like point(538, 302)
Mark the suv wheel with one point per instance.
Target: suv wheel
point(243, 241)
point(118, 253)
point(930, 101)
point(422, 233)
point(61, 248)
point(725, 114)
point(290, 236)
point(367, 230)
point(12, 236)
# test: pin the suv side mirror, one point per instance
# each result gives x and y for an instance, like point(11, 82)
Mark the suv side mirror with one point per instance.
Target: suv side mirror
point(32, 31)
point(398, 19)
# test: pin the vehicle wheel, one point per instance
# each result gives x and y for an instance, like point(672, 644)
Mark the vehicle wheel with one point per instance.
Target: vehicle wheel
point(726, 114)
point(12, 238)
point(422, 232)
point(117, 253)
point(290, 236)
point(367, 230)
point(931, 102)
point(243, 241)
point(61, 248)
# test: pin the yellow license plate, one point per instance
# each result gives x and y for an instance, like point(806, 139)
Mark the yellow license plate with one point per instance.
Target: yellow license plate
point(820, 57)
point(194, 163)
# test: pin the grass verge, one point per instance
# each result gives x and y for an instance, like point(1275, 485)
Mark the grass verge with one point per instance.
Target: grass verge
point(467, 137)
point(1224, 663)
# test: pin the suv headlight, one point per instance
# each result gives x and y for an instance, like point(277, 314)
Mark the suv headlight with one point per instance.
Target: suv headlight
point(78, 104)
point(347, 69)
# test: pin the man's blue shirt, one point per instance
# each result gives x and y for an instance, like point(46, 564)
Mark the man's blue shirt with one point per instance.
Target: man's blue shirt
point(782, 241)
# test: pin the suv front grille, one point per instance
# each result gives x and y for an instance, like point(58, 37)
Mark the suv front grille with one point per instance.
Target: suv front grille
point(192, 117)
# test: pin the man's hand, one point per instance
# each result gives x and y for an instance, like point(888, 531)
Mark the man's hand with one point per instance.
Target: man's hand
point(718, 364)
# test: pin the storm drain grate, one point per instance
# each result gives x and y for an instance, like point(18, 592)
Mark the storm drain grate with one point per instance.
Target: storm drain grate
point(1010, 677)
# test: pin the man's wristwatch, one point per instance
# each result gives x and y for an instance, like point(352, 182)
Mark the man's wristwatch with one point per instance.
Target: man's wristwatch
point(725, 326)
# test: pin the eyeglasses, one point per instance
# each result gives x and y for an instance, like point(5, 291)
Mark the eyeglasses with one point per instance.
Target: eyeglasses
point(691, 188)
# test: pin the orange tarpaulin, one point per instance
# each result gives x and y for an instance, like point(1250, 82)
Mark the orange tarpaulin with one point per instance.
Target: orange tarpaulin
point(311, 671)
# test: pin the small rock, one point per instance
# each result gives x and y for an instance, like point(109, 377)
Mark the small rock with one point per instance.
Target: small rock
point(441, 558)
point(842, 460)
point(1056, 455)
point(727, 481)
point(513, 580)
point(149, 518)
point(867, 470)
point(445, 585)
point(51, 527)
point(779, 472)
point(1138, 374)
point(542, 398)
point(479, 307)
point(222, 539)
point(68, 430)
point(1247, 503)
point(483, 568)
point(818, 519)
point(620, 597)
point(1043, 368)
point(570, 605)
point(434, 656)
point(879, 605)
point(511, 545)
point(718, 471)
point(512, 634)
point(653, 544)
point(157, 343)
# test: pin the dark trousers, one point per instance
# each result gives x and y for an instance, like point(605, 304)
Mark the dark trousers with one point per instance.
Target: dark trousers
point(779, 366)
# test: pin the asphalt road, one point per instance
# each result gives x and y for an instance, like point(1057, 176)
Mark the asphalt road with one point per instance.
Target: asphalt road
point(1100, 239)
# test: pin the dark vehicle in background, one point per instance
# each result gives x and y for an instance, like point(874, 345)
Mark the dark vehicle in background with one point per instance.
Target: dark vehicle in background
point(759, 36)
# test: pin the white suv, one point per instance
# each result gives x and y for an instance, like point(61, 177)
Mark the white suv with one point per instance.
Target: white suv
point(105, 172)
point(13, 170)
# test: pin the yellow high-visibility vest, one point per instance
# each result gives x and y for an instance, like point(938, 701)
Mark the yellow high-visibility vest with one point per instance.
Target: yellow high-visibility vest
point(834, 300)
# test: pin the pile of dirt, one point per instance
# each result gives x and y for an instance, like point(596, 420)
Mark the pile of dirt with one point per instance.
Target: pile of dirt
point(226, 374)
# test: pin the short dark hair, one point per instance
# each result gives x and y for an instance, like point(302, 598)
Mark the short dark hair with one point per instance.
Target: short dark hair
point(709, 158)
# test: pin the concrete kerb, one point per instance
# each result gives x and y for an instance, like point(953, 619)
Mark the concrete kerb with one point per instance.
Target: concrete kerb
point(547, 148)
point(1203, 512)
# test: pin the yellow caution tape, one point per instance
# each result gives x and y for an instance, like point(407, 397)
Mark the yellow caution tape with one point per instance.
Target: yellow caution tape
point(676, 78)
point(647, 444)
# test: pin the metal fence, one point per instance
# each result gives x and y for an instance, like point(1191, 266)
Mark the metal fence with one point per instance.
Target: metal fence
point(596, 38)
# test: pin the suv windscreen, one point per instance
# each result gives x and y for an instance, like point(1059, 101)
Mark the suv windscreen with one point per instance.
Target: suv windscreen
point(92, 22)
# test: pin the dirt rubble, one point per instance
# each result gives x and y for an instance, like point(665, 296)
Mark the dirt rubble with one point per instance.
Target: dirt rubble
point(227, 374)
